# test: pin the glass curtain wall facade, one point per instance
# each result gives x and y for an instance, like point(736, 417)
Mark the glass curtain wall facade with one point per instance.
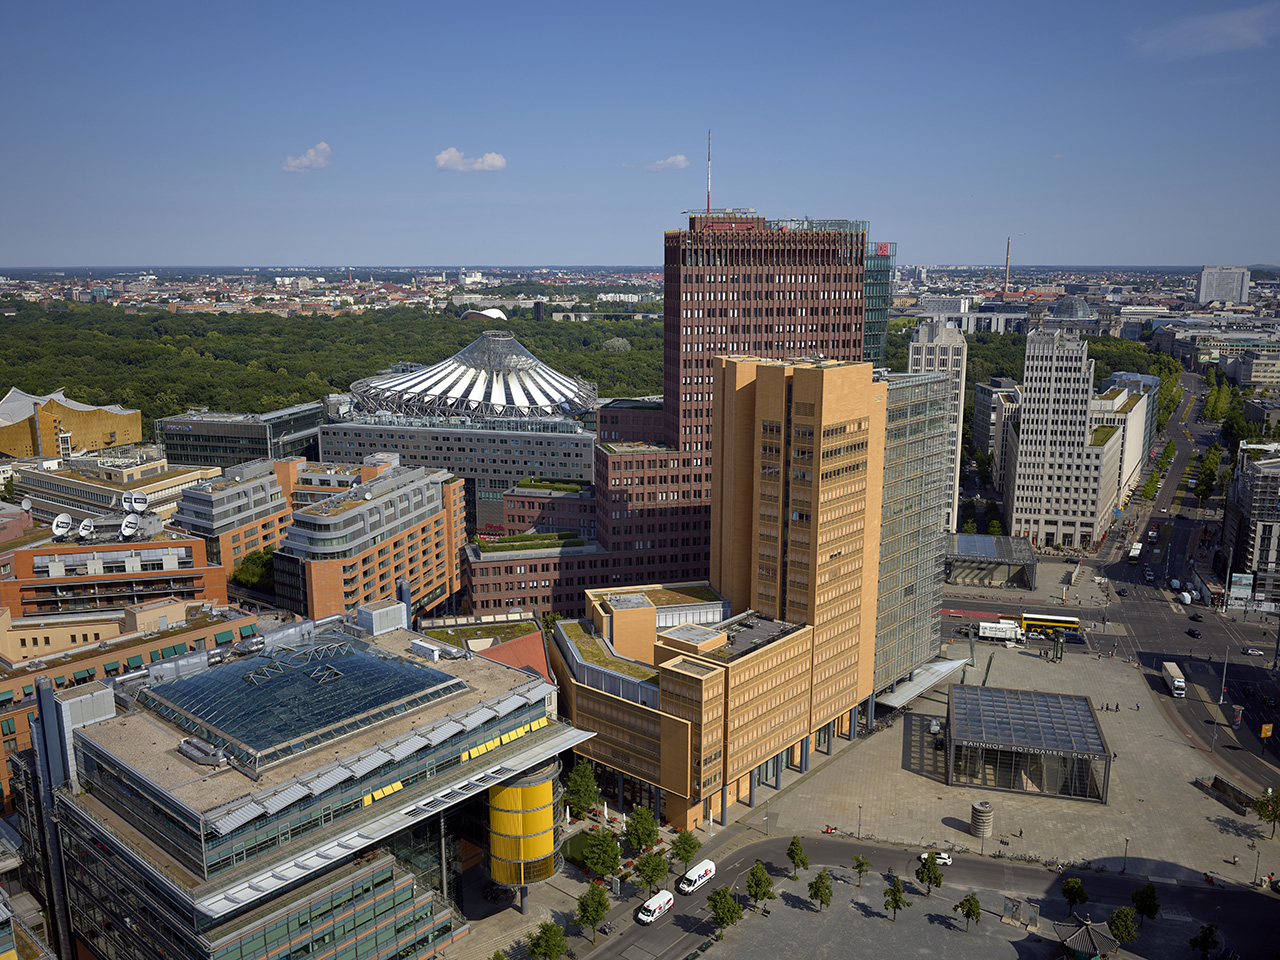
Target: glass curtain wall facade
point(913, 523)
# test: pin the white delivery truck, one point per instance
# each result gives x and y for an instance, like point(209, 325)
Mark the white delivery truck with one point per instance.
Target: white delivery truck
point(1173, 677)
point(1184, 597)
point(698, 874)
point(655, 906)
point(1001, 630)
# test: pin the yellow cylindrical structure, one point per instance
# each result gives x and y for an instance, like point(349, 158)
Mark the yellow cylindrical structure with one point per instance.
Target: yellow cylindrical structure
point(524, 818)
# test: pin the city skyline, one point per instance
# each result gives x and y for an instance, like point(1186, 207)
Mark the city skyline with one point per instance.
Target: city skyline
point(306, 135)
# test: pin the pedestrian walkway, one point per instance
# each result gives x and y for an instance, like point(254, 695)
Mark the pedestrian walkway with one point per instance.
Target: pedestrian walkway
point(1157, 824)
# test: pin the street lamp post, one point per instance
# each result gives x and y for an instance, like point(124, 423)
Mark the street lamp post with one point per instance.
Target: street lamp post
point(859, 821)
point(766, 824)
point(1256, 865)
point(1125, 867)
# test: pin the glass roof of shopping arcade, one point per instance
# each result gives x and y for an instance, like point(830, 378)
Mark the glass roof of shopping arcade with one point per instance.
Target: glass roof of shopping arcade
point(291, 698)
point(1024, 720)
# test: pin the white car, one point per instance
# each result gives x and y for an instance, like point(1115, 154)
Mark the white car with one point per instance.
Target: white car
point(943, 858)
point(1253, 652)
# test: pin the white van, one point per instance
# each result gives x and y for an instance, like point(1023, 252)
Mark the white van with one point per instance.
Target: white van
point(697, 876)
point(655, 906)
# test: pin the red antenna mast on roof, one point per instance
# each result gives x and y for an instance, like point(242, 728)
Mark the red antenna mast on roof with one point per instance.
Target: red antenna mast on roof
point(708, 171)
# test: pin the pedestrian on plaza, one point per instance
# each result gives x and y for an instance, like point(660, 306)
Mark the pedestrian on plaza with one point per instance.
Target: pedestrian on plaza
point(1137, 706)
point(1117, 708)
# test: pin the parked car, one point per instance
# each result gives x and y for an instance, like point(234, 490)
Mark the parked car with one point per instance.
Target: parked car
point(1122, 592)
point(1193, 632)
point(1269, 700)
point(944, 859)
point(1198, 617)
point(1253, 652)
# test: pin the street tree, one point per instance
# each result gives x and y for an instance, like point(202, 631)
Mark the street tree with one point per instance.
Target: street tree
point(799, 859)
point(759, 884)
point(581, 792)
point(862, 865)
point(548, 942)
point(641, 830)
point(1122, 926)
point(1145, 902)
point(725, 910)
point(970, 909)
point(593, 907)
point(1267, 807)
point(651, 868)
point(499, 955)
point(820, 889)
point(685, 847)
point(1073, 892)
point(929, 874)
point(601, 852)
point(1206, 940)
point(894, 898)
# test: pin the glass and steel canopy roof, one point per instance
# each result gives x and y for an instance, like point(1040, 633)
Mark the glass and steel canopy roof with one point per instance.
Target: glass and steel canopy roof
point(1027, 720)
point(289, 699)
point(493, 376)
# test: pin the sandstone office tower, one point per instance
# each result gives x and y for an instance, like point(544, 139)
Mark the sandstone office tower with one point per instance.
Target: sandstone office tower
point(797, 511)
point(736, 283)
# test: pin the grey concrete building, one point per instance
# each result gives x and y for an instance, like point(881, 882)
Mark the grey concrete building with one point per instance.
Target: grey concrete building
point(1065, 469)
point(1228, 284)
point(210, 439)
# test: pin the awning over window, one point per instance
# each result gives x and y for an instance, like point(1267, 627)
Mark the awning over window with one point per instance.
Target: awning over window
point(6, 696)
point(29, 689)
point(224, 636)
point(109, 667)
point(135, 662)
point(81, 674)
point(249, 631)
point(157, 655)
point(59, 681)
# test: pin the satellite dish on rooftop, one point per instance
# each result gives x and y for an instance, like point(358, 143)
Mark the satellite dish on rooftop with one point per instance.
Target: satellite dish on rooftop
point(129, 526)
point(368, 495)
point(140, 501)
point(26, 504)
point(86, 529)
point(126, 500)
point(62, 525)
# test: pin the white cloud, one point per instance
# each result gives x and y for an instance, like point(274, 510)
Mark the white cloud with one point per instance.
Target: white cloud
point(678, 162)
point(317, 158)
point(453, 159)
point(1248, 28)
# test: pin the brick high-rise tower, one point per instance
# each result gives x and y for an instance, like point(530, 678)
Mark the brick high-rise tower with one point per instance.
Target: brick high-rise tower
point(736, 283)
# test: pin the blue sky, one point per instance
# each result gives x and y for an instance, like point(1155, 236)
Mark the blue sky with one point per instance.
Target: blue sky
point(1123, 132)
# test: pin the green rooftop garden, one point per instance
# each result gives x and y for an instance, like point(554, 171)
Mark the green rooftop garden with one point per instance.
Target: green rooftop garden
point(1102, 435)
point(500, 632)
point(669, 596)
point(593, 651)
point(543, 483)
point(529, 541)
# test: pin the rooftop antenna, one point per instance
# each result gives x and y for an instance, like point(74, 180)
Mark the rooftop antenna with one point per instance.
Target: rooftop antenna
point(1008, 247)
point(708, 171)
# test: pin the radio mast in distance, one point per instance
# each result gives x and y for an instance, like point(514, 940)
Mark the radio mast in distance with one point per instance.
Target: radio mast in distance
point(708, 171)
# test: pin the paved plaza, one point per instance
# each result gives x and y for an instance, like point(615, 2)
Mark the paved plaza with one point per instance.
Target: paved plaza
point(889, 785)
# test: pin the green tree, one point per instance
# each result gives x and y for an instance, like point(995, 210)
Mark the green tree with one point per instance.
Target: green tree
point(862, 865)
point(580, 790)
point(970, 526)
point(685, 847)
point(820, 889)
point(601, 852)
point(759, 883)
point(1267, 807)
point(499, 955)
point(929, 874)
point(970, 909)
point(593, 907)
point(799, 859)
point(1145, 902)
point(651, 868)
point(725, 910)
point(1206, 940)
point(548, 941)
point(255, 570)
point(1122, 926)
point(1073, 892)
point(7, 495)
point(995, 528)
point(894, 898)
point(641, 830)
